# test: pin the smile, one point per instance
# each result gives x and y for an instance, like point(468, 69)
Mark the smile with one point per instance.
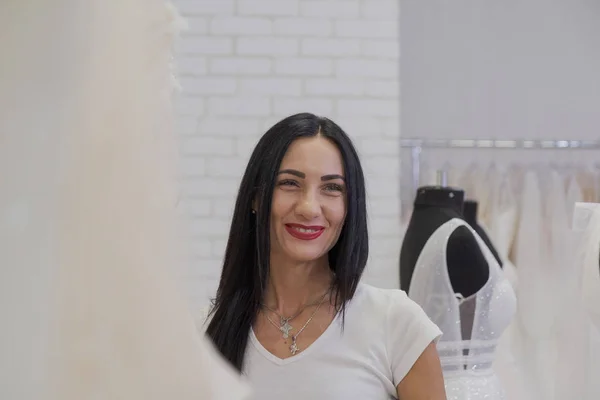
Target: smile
point(304, 232)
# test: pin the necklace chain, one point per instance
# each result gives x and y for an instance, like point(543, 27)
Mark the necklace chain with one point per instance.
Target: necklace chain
point(284, 323)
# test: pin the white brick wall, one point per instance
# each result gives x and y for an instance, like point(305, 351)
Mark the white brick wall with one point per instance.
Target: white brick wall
point(245, 64)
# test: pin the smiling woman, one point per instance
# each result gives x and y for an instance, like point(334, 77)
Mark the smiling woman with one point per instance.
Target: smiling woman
point(308, 206)
point(290, 311)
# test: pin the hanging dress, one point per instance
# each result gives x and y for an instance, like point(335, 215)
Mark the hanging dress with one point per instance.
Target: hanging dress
point(89, 230)
point(577, 375)
point(507, 364)
point(503, 222)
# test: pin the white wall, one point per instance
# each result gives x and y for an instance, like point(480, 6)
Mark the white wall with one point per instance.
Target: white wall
point(501, 69)
point(245, 64)
point(488, 69)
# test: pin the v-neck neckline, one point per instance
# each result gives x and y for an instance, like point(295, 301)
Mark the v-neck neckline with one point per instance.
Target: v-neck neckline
point(284, 361)
point(455, 223)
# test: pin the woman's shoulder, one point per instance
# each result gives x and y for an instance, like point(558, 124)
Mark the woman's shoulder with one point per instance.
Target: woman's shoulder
point(406, 329)
point(379, 300)
point(391, 307)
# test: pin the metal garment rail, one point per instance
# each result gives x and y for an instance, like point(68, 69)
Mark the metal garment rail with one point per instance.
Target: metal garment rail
point(417, 145)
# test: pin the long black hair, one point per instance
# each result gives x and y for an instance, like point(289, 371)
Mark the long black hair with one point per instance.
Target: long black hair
point(246, 264)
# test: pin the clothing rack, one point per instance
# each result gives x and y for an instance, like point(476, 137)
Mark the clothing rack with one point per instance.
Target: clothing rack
point(416, 146)
point(501, 144)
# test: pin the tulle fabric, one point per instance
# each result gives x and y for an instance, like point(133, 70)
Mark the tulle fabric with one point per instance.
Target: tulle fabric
point(577, 373)
point(467, 376)
point(88, 221)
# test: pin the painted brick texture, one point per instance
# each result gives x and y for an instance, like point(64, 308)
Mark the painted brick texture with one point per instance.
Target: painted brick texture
point(245, 64)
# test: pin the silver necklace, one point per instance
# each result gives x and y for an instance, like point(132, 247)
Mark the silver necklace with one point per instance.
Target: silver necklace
point(284, 322)
point(294, 346)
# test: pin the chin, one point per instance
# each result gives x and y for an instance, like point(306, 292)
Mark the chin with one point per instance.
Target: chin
point(304, 255)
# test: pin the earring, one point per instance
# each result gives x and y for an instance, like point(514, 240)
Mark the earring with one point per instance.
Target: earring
point(253, 211)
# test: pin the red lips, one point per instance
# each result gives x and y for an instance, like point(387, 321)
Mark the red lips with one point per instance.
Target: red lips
point(304, 232)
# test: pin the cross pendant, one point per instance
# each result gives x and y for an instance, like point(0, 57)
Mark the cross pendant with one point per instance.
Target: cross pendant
point(294, 347)
point(285, 328)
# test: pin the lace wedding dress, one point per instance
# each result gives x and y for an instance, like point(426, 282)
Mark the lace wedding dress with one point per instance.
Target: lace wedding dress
point(466, 362)
point(88, 219)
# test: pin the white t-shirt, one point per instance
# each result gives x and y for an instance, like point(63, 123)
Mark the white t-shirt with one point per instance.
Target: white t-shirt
point(384, 334)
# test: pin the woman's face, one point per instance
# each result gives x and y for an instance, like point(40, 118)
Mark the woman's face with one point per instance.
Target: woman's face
point(309, 206)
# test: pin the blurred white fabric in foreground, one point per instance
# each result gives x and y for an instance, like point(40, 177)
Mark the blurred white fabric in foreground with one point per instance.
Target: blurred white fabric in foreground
point(88, 221)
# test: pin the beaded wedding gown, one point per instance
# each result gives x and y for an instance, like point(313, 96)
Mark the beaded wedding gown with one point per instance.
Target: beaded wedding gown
point(88, 219)
point(466, 362)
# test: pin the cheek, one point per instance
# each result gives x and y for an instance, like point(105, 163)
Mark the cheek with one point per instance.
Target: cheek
point(281, 205)
point(336, 214)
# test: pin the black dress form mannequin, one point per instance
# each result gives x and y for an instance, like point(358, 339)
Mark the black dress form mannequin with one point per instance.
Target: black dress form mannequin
point(470, 214)
point(434, 206)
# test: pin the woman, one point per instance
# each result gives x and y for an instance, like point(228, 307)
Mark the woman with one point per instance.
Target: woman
point(290, 311)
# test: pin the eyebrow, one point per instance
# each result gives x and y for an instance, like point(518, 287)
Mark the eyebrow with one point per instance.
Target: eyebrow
point(303, 175)
point(332, 177)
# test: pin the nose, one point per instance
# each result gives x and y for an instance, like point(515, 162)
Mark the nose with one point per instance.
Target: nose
point(309, 206)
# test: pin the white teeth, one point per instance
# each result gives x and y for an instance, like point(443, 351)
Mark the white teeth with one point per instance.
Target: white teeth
point(303, 230)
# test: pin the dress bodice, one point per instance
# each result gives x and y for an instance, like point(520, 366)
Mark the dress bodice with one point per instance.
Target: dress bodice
point(471, 326)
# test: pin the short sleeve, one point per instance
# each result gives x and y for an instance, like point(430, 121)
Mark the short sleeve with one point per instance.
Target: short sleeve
point(409, 332)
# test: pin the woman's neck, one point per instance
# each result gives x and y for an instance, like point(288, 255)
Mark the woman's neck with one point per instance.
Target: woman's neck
point(292, 285)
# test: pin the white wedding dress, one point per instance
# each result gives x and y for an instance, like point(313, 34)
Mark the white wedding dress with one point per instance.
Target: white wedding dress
point(577, 373)
point(590, 262)
point(88, 221)
point(533, 329)
point(501, 219)
point(467, 363)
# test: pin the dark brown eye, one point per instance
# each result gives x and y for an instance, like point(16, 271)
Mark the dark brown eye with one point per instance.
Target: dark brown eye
point(334, 187)
point(287, 182)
